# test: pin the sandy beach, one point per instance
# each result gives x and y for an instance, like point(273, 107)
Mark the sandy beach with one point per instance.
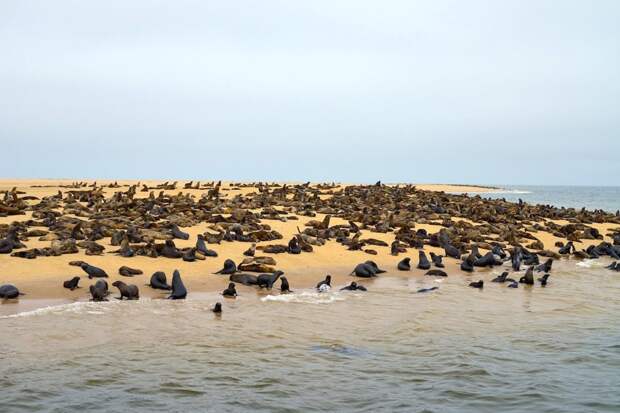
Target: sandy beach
point(41, 278)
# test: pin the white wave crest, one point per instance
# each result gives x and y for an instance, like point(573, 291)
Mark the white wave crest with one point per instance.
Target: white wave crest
point(307, 297)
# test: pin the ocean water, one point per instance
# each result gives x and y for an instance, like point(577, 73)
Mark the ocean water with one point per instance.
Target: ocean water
point(456, 349)
point(606, 198)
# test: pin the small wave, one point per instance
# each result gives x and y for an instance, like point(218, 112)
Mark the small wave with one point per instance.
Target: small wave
point(307, 297)
point(589, 264)
point(88, 307)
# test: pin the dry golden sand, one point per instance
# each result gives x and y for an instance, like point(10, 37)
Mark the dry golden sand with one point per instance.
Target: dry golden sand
point(42, 278)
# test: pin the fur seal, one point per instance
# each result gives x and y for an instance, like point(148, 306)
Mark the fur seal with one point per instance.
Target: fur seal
point(99, 291)
point(245, 279)
point(202, 248)
point(568, 248)
point(325, 285)
point(293, 246)
point(229, 268)
point(477, 284)
point(500, 278)
point(128, 291)
point(546, 266)
point(267, 280)
point(451, 251)
point(71, 284)
point(528, 278)
point(513, 284)
point(128, 271)
point(170, 250)
point(177, 233)
point(426, 290)
point(488, 260)
point(9, 291)
point(543, 280)
point(92, 271)
point(405, 264)
point(423, 263)
point(437, 273)
point(284, 287)
point(179, 292)
point(250, 251)
point(230, 292)
point(367, 269)
point(437, 260)
point(159, 281)
point(467, 264)
point(217, 308)
point(354, 287)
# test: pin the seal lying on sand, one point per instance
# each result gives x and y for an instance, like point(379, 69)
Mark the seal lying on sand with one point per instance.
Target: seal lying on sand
point(9, 291)
point(437, 273)
point(71, 284)
point(179, 292)
point(242, 278)
point(92, 271)
point(159, 281)
point(128, 271)
point(367, 269)
point(128, 291)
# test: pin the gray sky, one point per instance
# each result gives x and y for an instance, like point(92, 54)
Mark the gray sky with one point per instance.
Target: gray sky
point(502, 92)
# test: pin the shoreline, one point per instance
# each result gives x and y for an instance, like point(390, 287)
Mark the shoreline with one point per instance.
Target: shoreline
point(41, 278)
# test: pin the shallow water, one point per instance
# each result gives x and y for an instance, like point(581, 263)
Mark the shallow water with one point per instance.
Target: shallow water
point(391, 349)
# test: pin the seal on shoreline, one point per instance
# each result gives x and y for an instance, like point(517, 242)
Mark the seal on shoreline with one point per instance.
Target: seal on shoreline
point(71, 284)
point(436, 273)
point(437, 260)
point(528, 278)
point(179, 292)
point(128, 291)
point(267, 280)
point(99, 291)
point(325, 285)
point(229, 268)
point(423, 262)
point(284, 287)
point(477, 284)
point(9, 291)
point(500, 278)
point(159, 282)
point(405, 264)
point(230, 292)
point(92, 271)
point(354, 287)
point(242, 278)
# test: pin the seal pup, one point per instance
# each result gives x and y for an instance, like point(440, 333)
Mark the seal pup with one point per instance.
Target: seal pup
point(325, 285)
point(230, 292)
point(528, 278)
point(267, 280)
point(8, 291)
point(245, 279)
point(229, 268)
point(437, 260)
point(354, 287)
point(99, 291)
point(437, 273)
point(543, 280)
point(179, 292)
point(426, 290)
point(405, 264)
point(71, 284)
point(250, 251)
point(477, 284)
point(159, 281)
point(293, 246)
point(128, 291)
point(217, 308)
point(177, 233)
point(126, 271)
point(423, 263)
point(284, 287)
point(92, 271)
point(500, 278)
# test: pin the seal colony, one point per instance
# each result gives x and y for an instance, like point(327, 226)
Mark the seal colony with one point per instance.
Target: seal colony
point(252, 234)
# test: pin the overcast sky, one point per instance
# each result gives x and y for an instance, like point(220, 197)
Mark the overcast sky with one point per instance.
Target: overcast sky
point(497, 92)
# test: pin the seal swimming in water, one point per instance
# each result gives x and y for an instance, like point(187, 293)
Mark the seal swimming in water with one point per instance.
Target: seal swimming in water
point(325, 285)
point(437, 273)
point(500, 278)
point(423, 263)
point(477, 284)
point(128, 271)
point(543, 280)
point(159, 281)
point(128, 291)
point(267, 280)
point(426, 290)
point(284, 287)
point(229, 268)
point(405, 264)
point(71, 284)
point(230, 292)
point(245, 279)
point(92, 271)
point(354, 287)
point(513, 284)
point(9, 291)
point(528, 278)
point(217, 308)
point(179, 292)
point(546, 266)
